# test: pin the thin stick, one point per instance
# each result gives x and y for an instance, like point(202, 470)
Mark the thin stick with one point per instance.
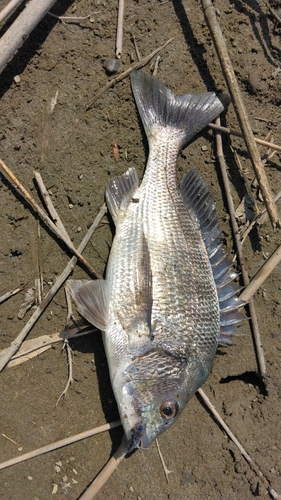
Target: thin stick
point(136, 48)
point(47, 299)
point(106, 472)
point(8, 9)
point(119, 34)
point(166, 470)
point(21, 28)
point(118, 78)
point(247, 457)
point(9, 294)
point(275, 15)
point(220, 45)
point(72, 18)
point(59, 444)
point(261, 275)
point(238, 134)
point(253, 317)
point(46, 219)
point(50, 207)
point(259, 219)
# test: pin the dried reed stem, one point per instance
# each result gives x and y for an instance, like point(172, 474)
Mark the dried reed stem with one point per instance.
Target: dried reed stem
point(261, 275)
point(9, 294)
point(230, 131)
point(47, 299)
point(220, 45)
point(59, 444)
point(21, 28)
point(8, 9)
point(253, 317)
point(46, 219)
point(119, 34)
point(247, 457)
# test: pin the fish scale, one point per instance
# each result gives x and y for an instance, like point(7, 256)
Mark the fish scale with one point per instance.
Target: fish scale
point(168, 297)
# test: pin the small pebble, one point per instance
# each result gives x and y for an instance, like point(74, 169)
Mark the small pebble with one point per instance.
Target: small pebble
point(204, 148)
point(112, 66)
point(17, 79)
point(70, 206)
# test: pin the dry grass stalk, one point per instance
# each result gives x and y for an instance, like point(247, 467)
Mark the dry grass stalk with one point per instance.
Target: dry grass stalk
point(247, 457)
point(220, 45)
point(50, 207)
point(230, 131)
point(47, 299)
point(9, 294)
point(136, 65)
point(253, 317)
point(59, 444)
point(261, 275)
point(119, 34)
point(46, 219)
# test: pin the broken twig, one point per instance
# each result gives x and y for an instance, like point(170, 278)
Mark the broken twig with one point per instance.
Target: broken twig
point(9, 294)
point(136, 65)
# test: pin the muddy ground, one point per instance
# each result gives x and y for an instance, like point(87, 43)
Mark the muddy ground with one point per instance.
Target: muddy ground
point(73, 150)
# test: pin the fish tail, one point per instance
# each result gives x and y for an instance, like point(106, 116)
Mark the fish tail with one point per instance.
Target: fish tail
point(159, 107)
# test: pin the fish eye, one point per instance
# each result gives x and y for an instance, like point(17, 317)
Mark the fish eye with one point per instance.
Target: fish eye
point(169, 409)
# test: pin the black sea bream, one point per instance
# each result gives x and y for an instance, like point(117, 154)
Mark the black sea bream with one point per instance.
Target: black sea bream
point(168, 298)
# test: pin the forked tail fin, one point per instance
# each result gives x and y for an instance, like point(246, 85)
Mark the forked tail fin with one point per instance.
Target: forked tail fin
point(158, 107)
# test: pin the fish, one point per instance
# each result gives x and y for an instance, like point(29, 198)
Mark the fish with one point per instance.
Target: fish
point(169, 296)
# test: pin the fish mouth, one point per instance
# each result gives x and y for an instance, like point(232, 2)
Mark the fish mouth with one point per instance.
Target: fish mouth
point(139, 438)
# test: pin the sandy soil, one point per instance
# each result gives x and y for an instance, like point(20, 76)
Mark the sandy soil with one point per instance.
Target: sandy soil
point(72, 149)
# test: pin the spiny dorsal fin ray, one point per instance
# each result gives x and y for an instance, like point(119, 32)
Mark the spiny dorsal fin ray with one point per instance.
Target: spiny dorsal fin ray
point(197, 196)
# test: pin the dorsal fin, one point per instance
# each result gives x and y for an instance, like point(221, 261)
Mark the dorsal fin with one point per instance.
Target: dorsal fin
point(197, 196)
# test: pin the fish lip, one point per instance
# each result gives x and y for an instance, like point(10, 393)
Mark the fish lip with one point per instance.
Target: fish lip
point(139, 438)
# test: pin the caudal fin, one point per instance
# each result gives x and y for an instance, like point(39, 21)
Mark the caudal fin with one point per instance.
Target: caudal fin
point(159, 107)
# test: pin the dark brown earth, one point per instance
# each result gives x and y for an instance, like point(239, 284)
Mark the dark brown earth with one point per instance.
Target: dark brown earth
point(73, 150)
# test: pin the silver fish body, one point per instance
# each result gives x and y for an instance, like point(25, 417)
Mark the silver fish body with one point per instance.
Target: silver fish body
point(168, 296)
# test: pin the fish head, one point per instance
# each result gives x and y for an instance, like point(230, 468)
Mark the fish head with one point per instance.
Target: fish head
point(151, 392)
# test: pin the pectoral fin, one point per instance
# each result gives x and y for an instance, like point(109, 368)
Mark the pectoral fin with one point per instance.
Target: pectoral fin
point(91, 298)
